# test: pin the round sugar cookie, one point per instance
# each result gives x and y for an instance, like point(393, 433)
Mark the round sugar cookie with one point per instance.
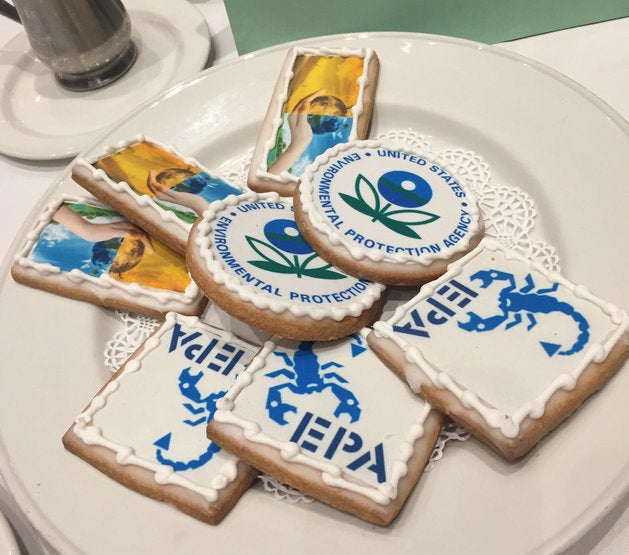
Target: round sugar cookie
point(386, 214)
point(248, 257)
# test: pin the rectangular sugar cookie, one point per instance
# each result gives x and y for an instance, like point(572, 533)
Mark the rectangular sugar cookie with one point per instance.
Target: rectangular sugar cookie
point(504, 347)
point(329, 419)
point(146, 426)
point(322, 97)
point(82, 249)
point(153, 186)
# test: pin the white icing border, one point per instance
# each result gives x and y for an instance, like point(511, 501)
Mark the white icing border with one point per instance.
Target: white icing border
point(331, 474)
point(261, 171)
point(307, 192)
point(250, 294)
point(144, 201)
point(508, 425)
point(129, 291)
point(164, 474)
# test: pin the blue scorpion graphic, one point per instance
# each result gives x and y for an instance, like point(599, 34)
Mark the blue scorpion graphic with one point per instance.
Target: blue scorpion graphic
point(512, 302)
point(306, 378)
point(204, 406)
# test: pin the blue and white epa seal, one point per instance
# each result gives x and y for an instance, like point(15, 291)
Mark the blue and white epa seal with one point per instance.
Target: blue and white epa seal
point(404, 192)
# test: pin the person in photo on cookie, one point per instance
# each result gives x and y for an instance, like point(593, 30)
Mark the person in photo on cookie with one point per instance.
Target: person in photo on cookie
point(117, 260)
point(183, 187)
point(317, 122)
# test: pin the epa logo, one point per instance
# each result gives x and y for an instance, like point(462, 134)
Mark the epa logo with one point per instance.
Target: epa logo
point(394, 201)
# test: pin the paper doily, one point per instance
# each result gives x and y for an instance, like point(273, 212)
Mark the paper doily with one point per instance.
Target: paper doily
point(509, 216)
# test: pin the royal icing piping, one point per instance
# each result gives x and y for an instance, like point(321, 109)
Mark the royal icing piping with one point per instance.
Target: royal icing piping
point(174, 371)
point(502, 334)
point(357, 109)
point(319, 404)
point(123, 187)
point(349, 191)
point(129, 291)
point(245, 265)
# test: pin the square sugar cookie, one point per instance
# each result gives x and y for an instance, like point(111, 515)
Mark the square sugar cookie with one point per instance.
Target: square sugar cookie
point(146, 427)
point(329, 419)
point(504, 347)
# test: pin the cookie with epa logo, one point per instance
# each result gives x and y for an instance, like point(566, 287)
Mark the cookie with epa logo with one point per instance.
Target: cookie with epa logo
point(146, 427)
point(313, 415)
point(386, 214)
point(247, 256)
point(504, 347)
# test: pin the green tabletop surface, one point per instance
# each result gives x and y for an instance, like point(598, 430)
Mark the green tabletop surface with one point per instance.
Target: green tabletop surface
point(262, 23)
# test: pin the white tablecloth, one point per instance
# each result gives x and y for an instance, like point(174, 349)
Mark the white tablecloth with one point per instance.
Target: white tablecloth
point(596, 56)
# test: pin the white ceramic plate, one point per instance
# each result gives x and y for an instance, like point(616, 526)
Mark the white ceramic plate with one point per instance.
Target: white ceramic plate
point(8, 541)
point(41, 121)
point(538, 131)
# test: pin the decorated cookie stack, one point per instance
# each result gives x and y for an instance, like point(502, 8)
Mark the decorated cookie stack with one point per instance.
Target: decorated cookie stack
point(303, 253)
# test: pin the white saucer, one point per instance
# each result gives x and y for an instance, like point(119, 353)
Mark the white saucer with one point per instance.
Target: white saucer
point(42, 121)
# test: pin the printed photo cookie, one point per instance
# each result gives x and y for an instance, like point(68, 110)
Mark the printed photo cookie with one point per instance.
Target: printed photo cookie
point(329, 419)
point(82, 249)
point(386, 214)
point(247, 256)
point(504, 347)
point(146, 428)
point(153, 186)
point(322, 97)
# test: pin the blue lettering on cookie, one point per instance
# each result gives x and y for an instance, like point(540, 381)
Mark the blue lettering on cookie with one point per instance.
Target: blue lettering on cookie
point(315, 434)
point(218, 356)
point(461, 230)
point(445, 303)
point(332, 169)
point(369, 243)
point(323, 298)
